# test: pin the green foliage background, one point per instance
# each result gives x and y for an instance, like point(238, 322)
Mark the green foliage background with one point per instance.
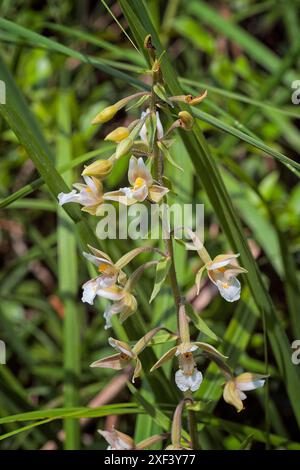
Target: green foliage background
point(64, 61)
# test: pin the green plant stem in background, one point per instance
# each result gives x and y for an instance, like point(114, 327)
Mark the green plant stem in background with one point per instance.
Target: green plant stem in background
point(68, 282)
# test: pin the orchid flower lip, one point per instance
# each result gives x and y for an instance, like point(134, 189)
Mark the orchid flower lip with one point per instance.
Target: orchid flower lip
point(188, 382)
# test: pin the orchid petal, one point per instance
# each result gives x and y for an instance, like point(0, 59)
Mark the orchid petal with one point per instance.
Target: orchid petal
point(188, 382)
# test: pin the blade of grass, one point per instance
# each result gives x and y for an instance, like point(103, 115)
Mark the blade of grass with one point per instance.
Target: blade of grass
point(67, 279)
point(37, 39)
point(254, 48)
point(36, 184)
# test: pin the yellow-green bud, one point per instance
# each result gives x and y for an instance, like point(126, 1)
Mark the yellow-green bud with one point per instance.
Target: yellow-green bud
point(105, 115)
point(118, 134)
point(124, 147)
point(186, 119)
point(100, 168)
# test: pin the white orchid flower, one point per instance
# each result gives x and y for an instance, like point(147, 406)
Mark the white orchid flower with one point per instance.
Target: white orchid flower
point(236, 386)
point(109, 274)
point(119, 361)
point(159, 127)
point(123, 302)
point(126, 354)
point(89, 195)
point(223, 274)
point(188, 377)
point(142, 186)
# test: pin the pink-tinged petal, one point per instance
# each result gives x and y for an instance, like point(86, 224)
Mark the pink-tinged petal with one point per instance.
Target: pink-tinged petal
point(117, 440)
point(156, 193)
point(87, 198)
point(96, 260)
point(107, 280)
point(144, 173)
point(247, 386)
point(121, 347)
point(64, 198)
point(133, 170)
point(159, 127)
point(230, 290)
point(93, 184)
point(99, 253)
point(222, 260)
point(139, 194)
point(111, 293)
point(120, 197)
point(143, 131)
point(111, 362)
point(242, 395)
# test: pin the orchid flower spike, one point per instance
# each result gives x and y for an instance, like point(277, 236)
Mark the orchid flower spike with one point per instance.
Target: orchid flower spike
point(89, 195)
point(141, 188)
point(236, 386)
point(109, 274)
point(126, 354)
point(159, 128)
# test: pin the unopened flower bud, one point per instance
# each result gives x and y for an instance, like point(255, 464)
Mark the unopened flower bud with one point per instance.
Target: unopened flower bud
point(105, 115)
point(108, 113)
point(124, 147)
point(186, 120)
point(100, 168)
point(118, 134)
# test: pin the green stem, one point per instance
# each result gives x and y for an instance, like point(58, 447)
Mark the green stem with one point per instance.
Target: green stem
point(192, 423)
point(67, 278)
point(158, 175)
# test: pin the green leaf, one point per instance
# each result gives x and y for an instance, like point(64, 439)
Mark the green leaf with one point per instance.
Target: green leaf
point(168, 156)
point(200, 323)
point(161, 273)
point(67, 279)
